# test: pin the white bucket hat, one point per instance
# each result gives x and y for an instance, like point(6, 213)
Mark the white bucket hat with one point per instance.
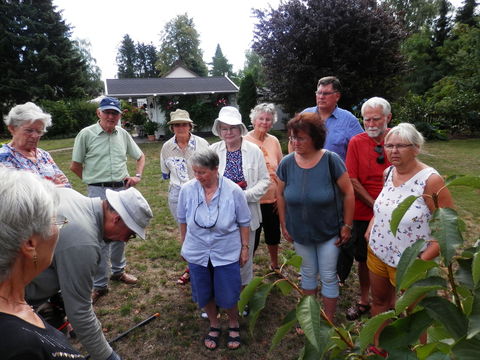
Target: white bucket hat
point(231, 116)
point(132, 208)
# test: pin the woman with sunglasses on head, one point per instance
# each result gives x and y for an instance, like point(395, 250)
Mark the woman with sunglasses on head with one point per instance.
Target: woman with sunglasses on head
point(28, 236)
point(407, 176)
point(315, 206)
point(28, 123)
point(214, 225)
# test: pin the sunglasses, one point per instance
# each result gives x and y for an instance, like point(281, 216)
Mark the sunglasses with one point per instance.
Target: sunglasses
point(379, 150)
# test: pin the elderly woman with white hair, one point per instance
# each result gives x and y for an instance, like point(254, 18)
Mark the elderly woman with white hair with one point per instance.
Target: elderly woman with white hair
point(214, 224)
point(243, 163)
point(407, 176)
point(28, 123)
point(28, 236)
point(263, 116)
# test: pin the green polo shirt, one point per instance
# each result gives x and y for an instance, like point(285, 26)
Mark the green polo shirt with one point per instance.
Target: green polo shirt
point(104, 155)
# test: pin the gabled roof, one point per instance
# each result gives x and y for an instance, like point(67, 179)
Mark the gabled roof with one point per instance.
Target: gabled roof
point(169, 86)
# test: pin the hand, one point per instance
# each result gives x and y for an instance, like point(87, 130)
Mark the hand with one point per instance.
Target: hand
point(131, 181)
point(285, 234)
point(60, 179)
point(345, 234)
point(243, 256)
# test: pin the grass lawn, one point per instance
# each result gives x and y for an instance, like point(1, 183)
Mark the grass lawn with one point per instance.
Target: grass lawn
point(178, 332)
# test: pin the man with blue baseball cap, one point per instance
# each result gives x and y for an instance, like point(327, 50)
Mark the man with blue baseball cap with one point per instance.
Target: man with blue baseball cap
point(99, 158)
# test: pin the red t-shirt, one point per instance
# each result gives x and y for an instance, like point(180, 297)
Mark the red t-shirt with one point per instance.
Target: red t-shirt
point(362, 165)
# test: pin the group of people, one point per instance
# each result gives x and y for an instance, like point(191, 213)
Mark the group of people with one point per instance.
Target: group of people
point(332, 196)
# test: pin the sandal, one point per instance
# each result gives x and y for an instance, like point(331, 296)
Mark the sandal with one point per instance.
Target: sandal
point(185, 278)
point(233, 342)
point(356, 311)
point(214, 339)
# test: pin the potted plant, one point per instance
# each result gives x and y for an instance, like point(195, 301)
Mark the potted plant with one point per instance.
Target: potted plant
point(150, 127)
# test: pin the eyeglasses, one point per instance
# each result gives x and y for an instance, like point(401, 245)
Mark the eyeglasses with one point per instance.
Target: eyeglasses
point(229, 129)
point(379, 150)
point(30, 132)
point(218, 211)
point(60, 221)
point(325, 93)
point(397, 146)
point(111, 112)
point(297, 139)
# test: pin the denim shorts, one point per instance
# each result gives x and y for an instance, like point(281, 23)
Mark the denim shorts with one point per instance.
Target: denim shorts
point(320, 259)
point(219, 283)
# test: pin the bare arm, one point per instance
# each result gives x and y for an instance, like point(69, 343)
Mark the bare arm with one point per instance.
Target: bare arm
point(346, 188)
point(282, 210)
point(134, 180)
point(183, 232)
point(244, 237)
point(77, 168)
point(433, 186)
point(361, 193)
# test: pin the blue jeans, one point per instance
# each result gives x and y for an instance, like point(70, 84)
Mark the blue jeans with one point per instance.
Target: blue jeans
point(113, 252)
point(320, 259)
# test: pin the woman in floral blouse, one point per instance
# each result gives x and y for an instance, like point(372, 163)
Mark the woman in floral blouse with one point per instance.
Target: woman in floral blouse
point(27, 123)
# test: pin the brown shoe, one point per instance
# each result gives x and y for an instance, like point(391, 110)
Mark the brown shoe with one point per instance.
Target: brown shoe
point(98, 293)
point(125, 278)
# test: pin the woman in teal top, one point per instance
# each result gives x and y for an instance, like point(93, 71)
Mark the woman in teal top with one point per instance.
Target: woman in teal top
point(315, 206)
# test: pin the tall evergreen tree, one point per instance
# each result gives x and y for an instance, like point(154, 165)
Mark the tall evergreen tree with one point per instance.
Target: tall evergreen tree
point(126, 58)
point(220, 65)
point(180, 42)
point(466, 14)
point(442, 25)
point(38, 60)
point(247, 97)
point(146, 60)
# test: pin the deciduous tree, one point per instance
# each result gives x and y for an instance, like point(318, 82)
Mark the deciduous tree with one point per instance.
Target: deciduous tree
point(180, 41)
point(302, 41)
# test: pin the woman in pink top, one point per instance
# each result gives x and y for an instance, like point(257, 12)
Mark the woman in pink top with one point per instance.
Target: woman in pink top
point(263, 116)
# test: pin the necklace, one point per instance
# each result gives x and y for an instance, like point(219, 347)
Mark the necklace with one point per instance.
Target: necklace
point(15, 302)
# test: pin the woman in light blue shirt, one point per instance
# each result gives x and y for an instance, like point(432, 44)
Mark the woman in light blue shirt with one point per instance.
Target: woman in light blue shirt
point(214, 223)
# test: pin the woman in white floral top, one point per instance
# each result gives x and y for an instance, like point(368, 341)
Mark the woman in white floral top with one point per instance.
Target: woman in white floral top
point(407, 176)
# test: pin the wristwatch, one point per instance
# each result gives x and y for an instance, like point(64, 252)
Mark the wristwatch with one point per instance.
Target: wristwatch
point(138, 175)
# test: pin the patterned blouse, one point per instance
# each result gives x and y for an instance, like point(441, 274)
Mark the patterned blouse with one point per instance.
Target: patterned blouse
point(233, 167)
point(44, 164)
point(413, 226)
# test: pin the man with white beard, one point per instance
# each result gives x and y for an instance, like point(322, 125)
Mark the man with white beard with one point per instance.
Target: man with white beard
point(366, 163)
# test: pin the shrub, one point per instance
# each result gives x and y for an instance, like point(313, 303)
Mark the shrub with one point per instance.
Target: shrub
point(451, 318)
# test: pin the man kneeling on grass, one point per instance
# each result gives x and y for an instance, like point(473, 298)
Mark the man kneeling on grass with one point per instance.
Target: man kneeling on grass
point(120, 217)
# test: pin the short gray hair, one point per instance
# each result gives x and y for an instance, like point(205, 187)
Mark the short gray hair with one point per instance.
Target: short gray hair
point(268, 108)
point(26, 114)
point(28, 204)
point(407, 132)
point(206, 158)
point(377, 102)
